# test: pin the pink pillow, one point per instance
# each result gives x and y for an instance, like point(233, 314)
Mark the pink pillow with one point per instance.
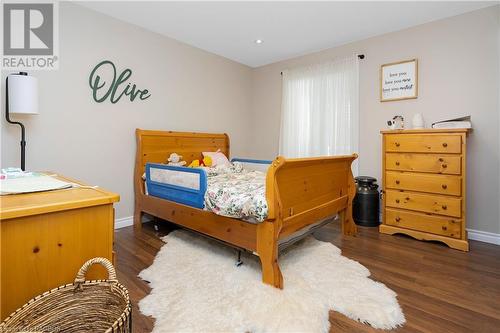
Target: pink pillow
point(217, 157)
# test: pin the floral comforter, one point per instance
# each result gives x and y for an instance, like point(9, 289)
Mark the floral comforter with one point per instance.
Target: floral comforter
point(236, 192)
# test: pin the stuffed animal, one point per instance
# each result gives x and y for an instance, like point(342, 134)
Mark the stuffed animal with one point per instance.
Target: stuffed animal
point(206, 162)
point(175, 159)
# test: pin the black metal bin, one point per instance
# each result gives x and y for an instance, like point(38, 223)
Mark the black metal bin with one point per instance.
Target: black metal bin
point(366, 204)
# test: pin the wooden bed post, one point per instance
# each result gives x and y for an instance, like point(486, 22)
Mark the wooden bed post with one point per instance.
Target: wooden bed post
point(269, 230)
point(137, 217)
point(348, 225)
point(267, 249)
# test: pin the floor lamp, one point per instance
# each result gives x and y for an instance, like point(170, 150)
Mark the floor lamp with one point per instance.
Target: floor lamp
point(21, 98)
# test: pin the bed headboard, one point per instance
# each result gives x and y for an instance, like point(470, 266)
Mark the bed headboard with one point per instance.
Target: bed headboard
point(156, 147)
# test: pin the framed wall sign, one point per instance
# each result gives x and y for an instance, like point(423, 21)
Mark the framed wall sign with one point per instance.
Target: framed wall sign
point(399, 80)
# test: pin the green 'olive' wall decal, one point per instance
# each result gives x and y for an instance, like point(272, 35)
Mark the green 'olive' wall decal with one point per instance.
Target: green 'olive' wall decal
point(114, 89)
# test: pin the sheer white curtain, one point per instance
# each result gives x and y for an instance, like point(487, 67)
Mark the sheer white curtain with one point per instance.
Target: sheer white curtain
point(320, 109)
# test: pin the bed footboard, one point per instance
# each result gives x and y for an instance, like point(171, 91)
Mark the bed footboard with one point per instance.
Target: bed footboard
point(301, 192)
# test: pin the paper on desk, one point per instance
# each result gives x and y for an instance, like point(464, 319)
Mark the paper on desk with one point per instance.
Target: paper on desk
point(31, 184)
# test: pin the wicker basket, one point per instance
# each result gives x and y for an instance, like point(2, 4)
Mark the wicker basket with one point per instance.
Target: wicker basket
point(82, 306)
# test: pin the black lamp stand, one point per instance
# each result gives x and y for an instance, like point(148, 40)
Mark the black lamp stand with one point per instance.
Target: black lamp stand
point(23, 131)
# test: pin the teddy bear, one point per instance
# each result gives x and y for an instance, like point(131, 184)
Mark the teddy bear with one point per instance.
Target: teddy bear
point(206, 161)
point(176, 160)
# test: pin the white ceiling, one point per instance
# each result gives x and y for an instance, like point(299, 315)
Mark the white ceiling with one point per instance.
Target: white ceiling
point(288, 29)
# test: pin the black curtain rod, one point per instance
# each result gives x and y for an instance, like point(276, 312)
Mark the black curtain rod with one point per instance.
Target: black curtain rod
point(360, 57)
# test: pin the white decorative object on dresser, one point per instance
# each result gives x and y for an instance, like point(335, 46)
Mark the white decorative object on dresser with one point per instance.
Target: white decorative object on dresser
point(424, 179)
point(418, 121)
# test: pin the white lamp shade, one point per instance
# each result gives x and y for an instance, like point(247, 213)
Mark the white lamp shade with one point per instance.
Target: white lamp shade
point(23, 94)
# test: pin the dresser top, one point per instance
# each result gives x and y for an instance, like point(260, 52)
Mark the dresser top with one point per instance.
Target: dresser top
point(427, 130)
point(20, 205)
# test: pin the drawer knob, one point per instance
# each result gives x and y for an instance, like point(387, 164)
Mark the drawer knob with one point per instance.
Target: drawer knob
point(397, 162)
point(397, 182)
point(397, 144)
point(441, 159)
point(444, 165)
point(397, 200)
point(398, 219)
point(444, 228)
point(444, 207)
point(444, 186)
point(445, 144)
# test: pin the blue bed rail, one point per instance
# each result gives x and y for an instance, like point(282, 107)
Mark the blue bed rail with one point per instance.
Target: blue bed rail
point(176, 193)
point(253, 164)
point(248, 160)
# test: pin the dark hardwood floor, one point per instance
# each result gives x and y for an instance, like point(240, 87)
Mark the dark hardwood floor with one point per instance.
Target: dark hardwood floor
point(439, 289)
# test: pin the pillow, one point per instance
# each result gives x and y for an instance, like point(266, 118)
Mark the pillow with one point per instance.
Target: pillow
point(218, 158)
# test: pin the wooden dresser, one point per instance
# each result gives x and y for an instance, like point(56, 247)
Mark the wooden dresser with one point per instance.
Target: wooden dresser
point(46, 237)
point(424, 177)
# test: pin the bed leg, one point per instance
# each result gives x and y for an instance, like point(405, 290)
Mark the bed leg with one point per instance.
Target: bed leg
point(239, 262)
point(267, 249)
point(348, 225)
point(137, 219)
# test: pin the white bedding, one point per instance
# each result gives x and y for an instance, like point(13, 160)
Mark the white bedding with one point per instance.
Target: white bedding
point(238, 193)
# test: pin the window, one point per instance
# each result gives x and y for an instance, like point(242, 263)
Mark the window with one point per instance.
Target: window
point(320, 109)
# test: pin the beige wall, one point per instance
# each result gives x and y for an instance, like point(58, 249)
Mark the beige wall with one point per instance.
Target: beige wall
point(458, 75)
point(191, 90)
point(194, 90)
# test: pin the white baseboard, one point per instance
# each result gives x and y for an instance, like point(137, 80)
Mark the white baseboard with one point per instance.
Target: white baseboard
point(478, 235)
point(124, 222)
point(483, 236)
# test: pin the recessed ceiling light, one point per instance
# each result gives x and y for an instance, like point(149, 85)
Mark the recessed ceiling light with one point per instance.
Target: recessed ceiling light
point(259, 41)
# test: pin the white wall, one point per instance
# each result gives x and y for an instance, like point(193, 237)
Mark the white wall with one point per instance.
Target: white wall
point(191, 90)
point(458, 75)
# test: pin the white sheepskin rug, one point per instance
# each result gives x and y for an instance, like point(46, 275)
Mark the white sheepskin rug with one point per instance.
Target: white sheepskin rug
point(196, 287)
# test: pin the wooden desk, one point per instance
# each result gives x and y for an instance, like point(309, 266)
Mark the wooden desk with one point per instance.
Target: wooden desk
point(45, 238)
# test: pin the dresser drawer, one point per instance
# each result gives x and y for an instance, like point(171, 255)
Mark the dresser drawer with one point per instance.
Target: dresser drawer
point(421, 182)
point(432, 163)
point(423, 143)
point(427, 203)
point(427, 223)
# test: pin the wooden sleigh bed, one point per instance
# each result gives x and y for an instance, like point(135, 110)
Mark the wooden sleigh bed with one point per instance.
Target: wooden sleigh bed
point(299, 193)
